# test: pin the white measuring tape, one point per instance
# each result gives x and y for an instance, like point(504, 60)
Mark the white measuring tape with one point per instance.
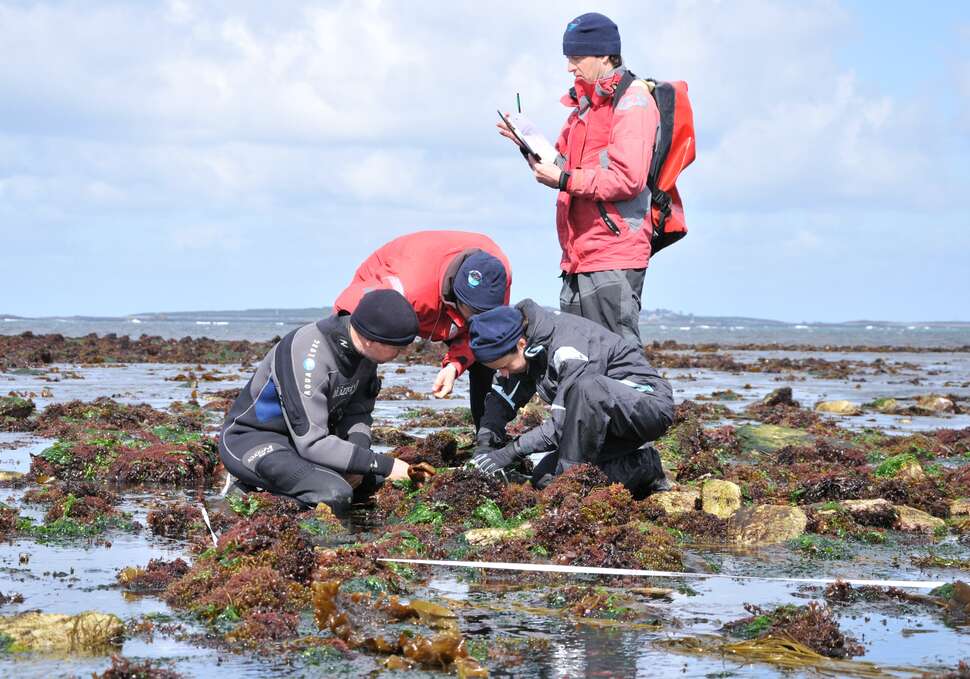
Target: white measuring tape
point(597, 570)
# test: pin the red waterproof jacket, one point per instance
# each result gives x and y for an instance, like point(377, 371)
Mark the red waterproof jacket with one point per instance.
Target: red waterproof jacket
point(603, 217)
point(422, 267)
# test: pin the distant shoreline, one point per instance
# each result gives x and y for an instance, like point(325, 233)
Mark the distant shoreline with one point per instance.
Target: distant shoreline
point(655, 317)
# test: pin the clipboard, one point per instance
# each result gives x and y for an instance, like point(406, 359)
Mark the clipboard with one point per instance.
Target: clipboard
point(531, 139)
point(522, 142)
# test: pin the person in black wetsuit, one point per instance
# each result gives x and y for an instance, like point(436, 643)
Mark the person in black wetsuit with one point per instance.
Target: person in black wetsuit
point(301, 426)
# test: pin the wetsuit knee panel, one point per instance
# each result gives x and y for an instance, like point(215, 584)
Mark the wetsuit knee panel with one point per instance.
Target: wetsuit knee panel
point(283, 469)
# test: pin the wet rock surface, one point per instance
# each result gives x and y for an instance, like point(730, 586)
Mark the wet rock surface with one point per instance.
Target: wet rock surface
point(767, 524)
point(86, 633)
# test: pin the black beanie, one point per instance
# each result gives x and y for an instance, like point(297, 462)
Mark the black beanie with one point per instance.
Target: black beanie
point(385, 316)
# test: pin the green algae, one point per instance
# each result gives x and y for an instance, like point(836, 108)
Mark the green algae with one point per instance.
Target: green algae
point(489, 515)
point(243, 505)
point(890, 467)
point(427, 513)
point(67, 528)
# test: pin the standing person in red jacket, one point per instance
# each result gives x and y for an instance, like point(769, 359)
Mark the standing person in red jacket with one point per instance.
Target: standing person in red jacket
point(448, 277)
point(603, 205)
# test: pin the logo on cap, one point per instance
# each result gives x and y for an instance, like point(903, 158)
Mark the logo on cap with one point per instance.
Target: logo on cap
point(474, 278)
point(573, 25)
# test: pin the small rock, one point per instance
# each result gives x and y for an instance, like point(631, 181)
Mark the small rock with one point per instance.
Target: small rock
point(7, 476)
point(934, 404)
point(89, 632)
point(960, 507)
point(779, 397)
point(675, 501)
point(653, 592)
point(16, 407)
point(875, 512)
point(886, 406)
point(838, 407)
point(767, 438)
point(490, 536)
point(721, 498)
point(911, 470)
point(767, 524)
point(913, 520)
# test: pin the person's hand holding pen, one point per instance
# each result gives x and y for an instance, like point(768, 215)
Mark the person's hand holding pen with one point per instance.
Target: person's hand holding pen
point(545, 173)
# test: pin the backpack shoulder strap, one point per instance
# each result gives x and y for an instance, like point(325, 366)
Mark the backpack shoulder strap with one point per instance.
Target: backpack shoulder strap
point(623, 86)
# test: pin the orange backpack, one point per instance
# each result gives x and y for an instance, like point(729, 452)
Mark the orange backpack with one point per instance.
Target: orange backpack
point(673, 151)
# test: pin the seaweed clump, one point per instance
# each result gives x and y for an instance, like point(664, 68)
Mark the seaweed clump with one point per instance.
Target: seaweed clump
point(364, 622)
point(166, 464)
point(576, 481)
point(123, 668)
point(8, 520)
point(106, 440)
point(179, 522)
point(461, 491)
point(812, 625)
point(154, 577)
point(437, 449)
point(599, 528)
point(780, 408)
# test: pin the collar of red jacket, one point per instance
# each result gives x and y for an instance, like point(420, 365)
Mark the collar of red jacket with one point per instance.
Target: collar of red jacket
point(584, 93)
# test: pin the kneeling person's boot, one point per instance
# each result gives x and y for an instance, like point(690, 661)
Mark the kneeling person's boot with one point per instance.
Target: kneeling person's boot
point(640, 471)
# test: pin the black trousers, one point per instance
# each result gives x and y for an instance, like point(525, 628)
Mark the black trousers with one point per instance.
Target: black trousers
point(479, 384)
point(607, 422)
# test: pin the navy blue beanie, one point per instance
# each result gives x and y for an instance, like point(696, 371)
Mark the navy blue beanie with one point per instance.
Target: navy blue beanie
point(591, 35)
point(385, 316)
point(495, 333)
point(481, 281)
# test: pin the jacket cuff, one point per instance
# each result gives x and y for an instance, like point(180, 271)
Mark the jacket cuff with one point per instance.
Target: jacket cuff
point(576, 178)
point(363, 461)
point(459, 368)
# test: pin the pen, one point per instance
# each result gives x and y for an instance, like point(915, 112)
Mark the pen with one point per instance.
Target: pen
point(518, 102)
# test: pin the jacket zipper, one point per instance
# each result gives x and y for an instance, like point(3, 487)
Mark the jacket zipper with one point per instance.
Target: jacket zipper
point(606, 218)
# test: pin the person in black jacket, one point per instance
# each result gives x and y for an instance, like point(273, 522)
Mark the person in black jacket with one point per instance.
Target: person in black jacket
point(607, 402)
point(301, 426)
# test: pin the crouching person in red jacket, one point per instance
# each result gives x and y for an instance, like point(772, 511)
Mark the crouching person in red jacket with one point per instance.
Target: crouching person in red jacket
point(448, 277)
point(301, 426)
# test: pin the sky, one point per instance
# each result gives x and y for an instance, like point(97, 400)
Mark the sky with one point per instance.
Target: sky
point(166, 156)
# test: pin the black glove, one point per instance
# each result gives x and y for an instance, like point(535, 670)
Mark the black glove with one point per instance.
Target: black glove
point(495, 461)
